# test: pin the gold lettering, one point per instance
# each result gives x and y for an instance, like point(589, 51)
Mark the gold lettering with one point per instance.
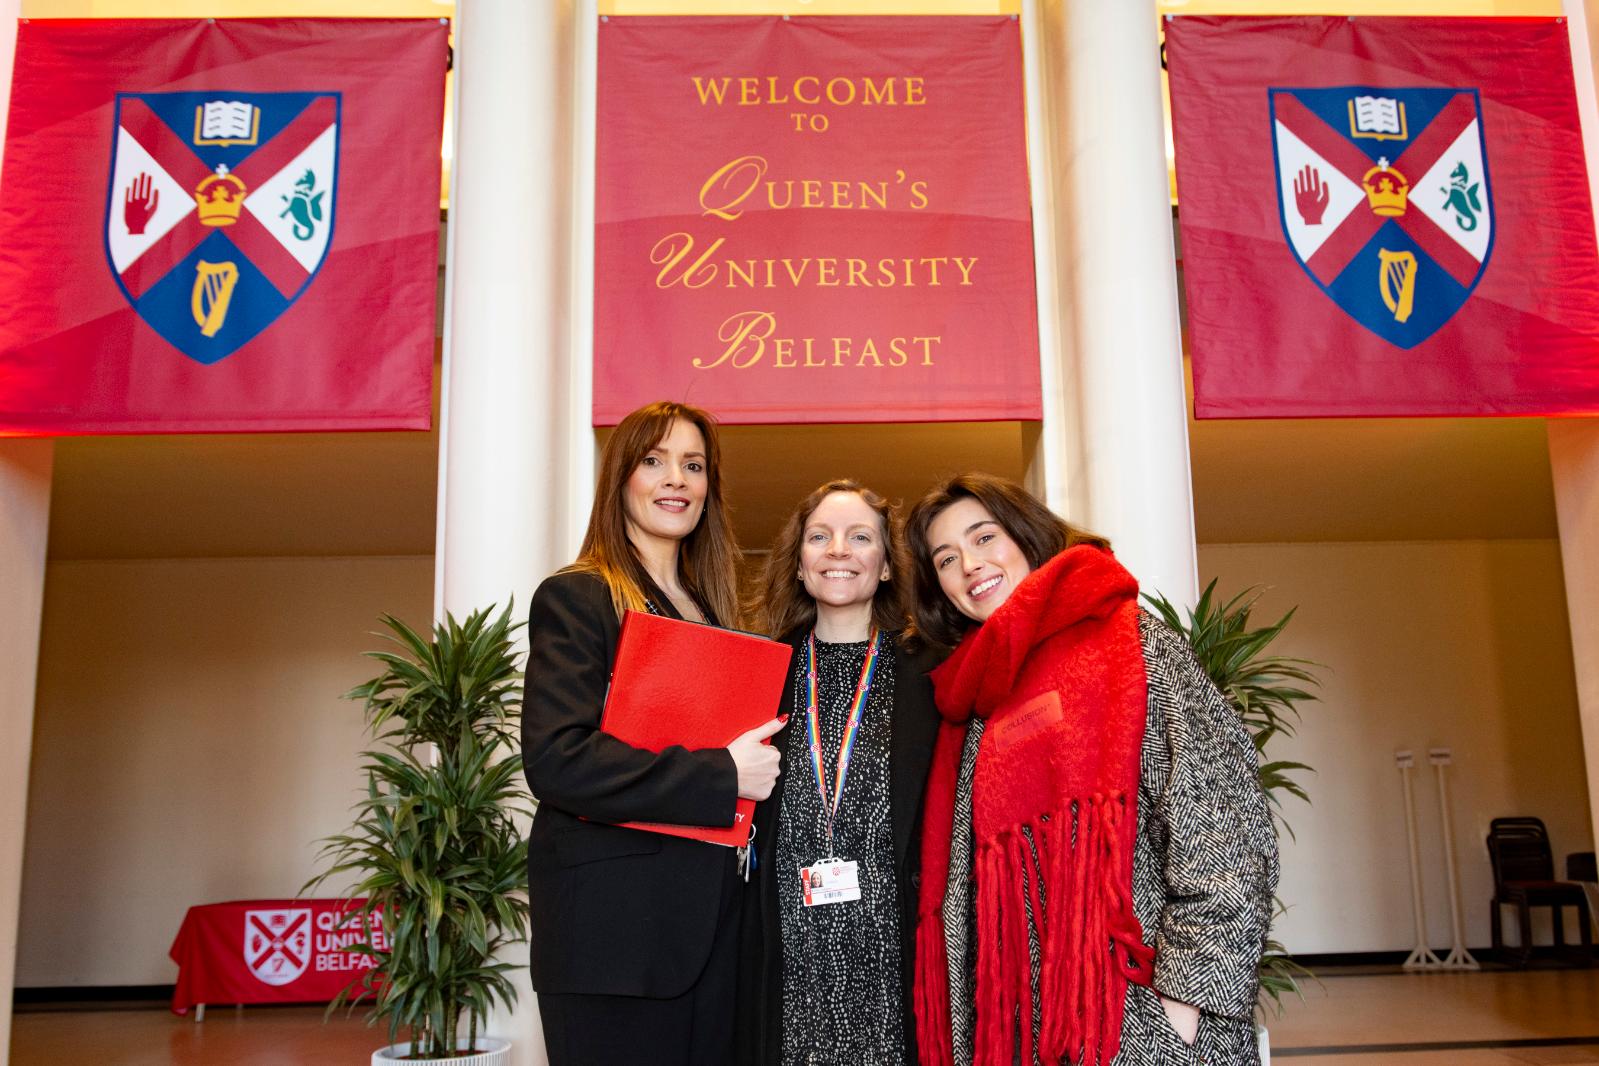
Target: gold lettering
point(869, 352)
point(783, 349)
point(733, 269)
point(897, 355)
point(744, 328)
point(731, 185)
point(796, 277)
point(914, 95)
point(932, 262)
point(918, 195)
point(749, 91)
point(833, 99)
point(811, 193)
point(885, 271)
point(771, 92)
point(808, 99)
point(927, 348)
point(841, 346)
point(965, 266)
point(810, 346)
point(671, 250)
point(716, 87)
point(881, 195)
point(857, 272)
point(876, 95)
point(827, 273)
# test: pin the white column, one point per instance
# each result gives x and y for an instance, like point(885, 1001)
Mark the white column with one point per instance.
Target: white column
point(515, 445)
point(1121, 369)
point(1574, 447)
point(25, 467)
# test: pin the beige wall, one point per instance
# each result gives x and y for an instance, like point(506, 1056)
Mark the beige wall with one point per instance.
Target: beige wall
point(189, 745)
point(1458, 643)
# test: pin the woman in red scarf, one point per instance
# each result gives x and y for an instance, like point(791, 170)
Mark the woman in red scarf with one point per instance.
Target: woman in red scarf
point(1098, 860)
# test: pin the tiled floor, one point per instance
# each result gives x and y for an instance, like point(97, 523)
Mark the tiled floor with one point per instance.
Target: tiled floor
point(1367, 1020)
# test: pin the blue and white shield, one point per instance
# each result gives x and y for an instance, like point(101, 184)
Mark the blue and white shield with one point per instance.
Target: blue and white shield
point(1386, 200)
point(220, 209)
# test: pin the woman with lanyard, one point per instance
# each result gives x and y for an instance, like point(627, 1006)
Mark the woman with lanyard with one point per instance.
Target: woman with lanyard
point(634, 938)
point(826, 960)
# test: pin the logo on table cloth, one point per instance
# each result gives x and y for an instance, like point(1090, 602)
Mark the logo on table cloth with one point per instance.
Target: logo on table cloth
point(1385, 200)
point(277, 944)
point(220, 210)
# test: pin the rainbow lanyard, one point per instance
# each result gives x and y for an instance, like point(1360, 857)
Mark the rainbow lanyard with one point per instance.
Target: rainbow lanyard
point(852, 729)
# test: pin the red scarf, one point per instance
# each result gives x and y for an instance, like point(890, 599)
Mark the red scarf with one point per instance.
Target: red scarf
point(1058, 673)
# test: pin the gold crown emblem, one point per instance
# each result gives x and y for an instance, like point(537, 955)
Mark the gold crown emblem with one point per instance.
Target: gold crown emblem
point(1387, 190)
point(219, 197)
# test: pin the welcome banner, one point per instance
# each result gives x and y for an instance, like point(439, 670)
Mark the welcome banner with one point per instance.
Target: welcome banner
point(814, 220)
point(220, 225)
point(1384, 217)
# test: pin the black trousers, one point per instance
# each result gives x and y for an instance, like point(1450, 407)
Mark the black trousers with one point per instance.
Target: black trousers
point(694, 1029)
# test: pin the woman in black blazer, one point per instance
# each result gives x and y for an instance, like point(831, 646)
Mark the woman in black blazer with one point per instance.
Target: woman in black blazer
point(634, 935)
point(825, 970)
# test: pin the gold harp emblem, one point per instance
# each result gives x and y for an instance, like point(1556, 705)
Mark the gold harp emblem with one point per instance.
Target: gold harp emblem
point(213, 291)
point(1397, 278)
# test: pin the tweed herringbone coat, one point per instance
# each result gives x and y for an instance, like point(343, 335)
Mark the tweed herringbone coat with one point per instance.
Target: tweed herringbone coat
point(1204, 871)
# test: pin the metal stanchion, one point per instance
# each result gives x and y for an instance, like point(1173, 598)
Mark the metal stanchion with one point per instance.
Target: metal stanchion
point(1458, 958)
point(1421, 956)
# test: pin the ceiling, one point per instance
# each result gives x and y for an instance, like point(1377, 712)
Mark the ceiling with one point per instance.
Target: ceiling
point(373, 493)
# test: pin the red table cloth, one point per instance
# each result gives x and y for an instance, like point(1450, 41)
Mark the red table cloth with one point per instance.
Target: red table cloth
point(269, 951)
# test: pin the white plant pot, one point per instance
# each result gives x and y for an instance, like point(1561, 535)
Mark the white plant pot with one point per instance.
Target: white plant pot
point(1263, 1041)
point(498, 1054)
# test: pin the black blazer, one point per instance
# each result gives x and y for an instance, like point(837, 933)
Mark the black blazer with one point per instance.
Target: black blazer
point(615, 911)
point(758, 1023)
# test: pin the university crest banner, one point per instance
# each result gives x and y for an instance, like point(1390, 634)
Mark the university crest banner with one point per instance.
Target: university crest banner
point(219, 226)
point(1383, 217)
point(814, 220)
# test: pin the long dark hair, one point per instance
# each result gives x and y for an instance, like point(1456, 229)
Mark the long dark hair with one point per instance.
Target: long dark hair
point(1038, 532)
point(783, 605)
point(707, 558)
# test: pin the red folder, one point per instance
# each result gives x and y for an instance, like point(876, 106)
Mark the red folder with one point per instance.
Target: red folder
point(696, 686)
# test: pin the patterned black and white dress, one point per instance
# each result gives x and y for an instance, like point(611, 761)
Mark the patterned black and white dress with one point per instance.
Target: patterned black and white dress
point(841, 961)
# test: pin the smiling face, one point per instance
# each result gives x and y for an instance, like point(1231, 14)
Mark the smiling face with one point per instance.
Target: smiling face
point(665, 495)
point(843, 555)
point(977, 563)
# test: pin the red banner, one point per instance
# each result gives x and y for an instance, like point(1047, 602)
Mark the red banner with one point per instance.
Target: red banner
point(814, 220)
point(270, 951)
point(217, 226)
point(1384, 217)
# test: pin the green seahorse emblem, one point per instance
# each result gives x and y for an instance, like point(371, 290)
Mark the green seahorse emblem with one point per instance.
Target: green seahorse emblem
point(1463, 199)
point(305, 205)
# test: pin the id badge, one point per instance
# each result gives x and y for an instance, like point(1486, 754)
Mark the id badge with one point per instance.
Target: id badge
point(830, 881)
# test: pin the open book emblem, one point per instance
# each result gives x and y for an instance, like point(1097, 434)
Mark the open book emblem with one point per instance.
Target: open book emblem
point(1385, 200)
point(226, 123)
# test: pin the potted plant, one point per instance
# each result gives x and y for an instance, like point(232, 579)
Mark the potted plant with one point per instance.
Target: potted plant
point(1264, 690)
point(435, 852)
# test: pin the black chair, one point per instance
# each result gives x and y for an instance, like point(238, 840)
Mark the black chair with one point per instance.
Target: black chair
point(1580, 866)
point(1524, 877)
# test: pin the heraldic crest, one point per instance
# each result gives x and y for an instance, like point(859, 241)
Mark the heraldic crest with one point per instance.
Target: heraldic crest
point(1385, 200)
point(220, 210)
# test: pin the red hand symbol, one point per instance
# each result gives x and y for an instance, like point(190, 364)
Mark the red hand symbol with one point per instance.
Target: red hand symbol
point(139, 203)
point(1310, 195)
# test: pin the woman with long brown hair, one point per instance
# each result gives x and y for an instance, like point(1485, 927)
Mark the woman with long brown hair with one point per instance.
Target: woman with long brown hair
point(827, 941)
point(633, 949)
point(1098, 859)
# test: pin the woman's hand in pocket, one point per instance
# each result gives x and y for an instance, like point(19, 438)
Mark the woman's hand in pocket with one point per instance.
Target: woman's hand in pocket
point(1183, 1018)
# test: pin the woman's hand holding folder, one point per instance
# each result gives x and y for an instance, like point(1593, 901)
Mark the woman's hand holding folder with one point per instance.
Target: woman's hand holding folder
point(756, 760)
